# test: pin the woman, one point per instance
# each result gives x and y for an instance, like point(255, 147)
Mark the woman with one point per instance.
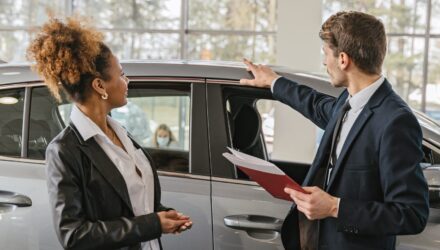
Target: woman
point(164, 138)
point(103, 188)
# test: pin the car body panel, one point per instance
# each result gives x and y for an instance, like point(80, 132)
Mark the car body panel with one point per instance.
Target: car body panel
point(26, 227)
point(244, 203)
point(191, 197)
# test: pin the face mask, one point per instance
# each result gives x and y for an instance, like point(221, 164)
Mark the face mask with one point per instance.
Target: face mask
point(162, 141)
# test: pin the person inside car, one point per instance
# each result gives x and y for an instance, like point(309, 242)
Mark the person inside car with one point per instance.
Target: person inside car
point(163, 137)
point(103, 187)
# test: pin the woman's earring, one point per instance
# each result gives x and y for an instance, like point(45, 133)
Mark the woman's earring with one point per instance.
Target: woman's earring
point(104, 96)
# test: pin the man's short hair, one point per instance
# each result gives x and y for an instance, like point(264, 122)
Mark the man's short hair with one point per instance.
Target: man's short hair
point(360, 35)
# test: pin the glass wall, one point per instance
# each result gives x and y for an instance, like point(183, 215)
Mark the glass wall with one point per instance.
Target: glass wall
point(412, 64)
point(157, 29)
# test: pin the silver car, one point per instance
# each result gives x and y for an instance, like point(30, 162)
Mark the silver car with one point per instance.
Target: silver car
point(207, 110)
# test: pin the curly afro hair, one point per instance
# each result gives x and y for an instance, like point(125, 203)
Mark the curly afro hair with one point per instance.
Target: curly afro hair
point(69, 55)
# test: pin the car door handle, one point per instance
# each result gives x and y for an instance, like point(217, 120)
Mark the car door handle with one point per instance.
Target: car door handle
point(11, 198)
point(247, 221)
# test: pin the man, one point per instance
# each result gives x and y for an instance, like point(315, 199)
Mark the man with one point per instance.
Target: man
point(366, 185)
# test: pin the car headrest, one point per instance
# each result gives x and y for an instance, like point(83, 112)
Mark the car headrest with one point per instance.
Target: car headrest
point(12, 128)
point(247, 126)
point(39, 128)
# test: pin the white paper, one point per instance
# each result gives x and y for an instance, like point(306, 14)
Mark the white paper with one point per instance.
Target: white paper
point(251, 162)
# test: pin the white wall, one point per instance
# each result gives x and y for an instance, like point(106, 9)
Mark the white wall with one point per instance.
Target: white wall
point(298, 47)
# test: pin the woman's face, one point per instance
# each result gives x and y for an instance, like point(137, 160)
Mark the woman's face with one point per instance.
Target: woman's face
point(161, 133)
point(163, 138)
point(117, 86)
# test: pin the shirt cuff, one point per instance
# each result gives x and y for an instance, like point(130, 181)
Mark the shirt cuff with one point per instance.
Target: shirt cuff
point(273, 83)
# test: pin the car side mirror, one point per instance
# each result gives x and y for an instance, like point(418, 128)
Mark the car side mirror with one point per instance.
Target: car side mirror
point(432, 175)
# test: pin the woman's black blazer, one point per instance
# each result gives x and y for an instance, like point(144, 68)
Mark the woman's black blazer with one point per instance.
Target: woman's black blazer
point(89, 198)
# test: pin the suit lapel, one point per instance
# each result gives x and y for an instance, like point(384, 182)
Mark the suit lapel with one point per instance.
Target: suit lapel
point(105, 166)
point(322, 155)
point(375, 101)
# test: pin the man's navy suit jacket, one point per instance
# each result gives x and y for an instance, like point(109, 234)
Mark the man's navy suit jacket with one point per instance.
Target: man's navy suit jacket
point(377, 176)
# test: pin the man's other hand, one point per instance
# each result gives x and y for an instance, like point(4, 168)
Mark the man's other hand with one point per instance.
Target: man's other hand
point(316, 205)
point(264, 76)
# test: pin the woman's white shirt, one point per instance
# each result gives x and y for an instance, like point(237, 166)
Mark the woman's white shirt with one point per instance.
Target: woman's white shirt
point(140, 189)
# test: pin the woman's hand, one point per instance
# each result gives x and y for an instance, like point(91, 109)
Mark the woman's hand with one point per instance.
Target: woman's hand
point(172, 222)
point(186, 226)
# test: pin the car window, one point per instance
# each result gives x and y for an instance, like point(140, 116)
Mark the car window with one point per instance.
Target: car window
point(150, 116)
point(288, 135)
point(44, 122)
point(270, 130)
point(158, 119)
point(11, 122)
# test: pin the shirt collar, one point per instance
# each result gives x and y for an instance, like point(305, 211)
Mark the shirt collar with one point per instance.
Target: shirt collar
point(360, 99)
point(85, 126)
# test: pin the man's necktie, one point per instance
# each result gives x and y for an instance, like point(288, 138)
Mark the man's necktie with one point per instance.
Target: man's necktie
point(332, 158)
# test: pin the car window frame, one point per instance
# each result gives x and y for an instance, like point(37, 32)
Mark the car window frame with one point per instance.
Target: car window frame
point(198, 141)
point(219, 134)
point(27, 87)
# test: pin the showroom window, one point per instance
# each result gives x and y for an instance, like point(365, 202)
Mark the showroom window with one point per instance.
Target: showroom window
point(11, 124)
point(159, 29)
point(412, 64)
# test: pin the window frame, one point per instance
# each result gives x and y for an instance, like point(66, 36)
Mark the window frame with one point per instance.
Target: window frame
point(183, 31)
point(27, 87)
point(219, 131)
point(198, 141)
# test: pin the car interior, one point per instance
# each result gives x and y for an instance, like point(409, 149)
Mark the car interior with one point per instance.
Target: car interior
point(11, 123)
point(10, 137)
point(245, 129)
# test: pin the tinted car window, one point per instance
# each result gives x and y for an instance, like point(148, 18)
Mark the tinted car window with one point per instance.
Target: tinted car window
point(270, 130)
point(44, 122)
point(11, 122)
point(243, 122)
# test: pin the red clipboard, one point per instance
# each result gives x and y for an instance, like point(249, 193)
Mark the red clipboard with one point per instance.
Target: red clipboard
point(265, 173)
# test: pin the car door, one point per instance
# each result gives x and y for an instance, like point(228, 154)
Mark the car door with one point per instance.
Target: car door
point(25, 218)
point(183, 165)
point(26, 221)
point(429, 238)
point(245, 216)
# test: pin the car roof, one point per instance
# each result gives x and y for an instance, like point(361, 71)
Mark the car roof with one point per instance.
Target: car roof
point(215, 70)
point(15, 73)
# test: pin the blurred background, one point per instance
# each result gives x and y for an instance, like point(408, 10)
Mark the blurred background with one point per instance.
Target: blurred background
point(280, 32)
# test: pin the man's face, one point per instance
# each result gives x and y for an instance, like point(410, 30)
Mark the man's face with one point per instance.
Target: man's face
point(338, 77)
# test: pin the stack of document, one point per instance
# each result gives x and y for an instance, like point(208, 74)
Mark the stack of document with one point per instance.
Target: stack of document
point(265, 173)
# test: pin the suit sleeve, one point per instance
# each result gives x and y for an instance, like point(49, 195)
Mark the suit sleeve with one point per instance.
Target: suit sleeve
point(315, 106)
point(74, 230)
point(405, 207)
